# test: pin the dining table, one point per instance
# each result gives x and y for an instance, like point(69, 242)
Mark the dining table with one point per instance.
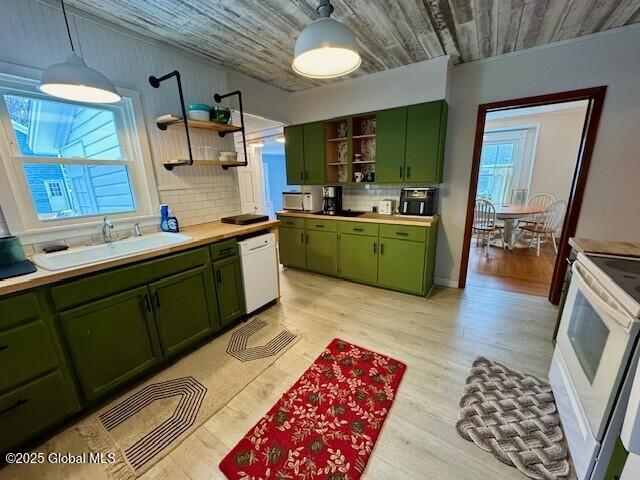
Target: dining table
point(511, 214)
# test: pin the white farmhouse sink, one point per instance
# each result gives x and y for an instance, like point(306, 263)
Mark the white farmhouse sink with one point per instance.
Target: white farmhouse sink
point(74, 257)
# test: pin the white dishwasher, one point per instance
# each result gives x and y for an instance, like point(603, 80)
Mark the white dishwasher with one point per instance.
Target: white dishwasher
point(259, 270)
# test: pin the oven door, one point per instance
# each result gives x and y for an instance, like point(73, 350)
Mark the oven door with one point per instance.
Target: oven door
point(595, 339)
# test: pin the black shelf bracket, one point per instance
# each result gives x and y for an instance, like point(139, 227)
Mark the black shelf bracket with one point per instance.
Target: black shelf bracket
point(218, 99)
point(155, 83)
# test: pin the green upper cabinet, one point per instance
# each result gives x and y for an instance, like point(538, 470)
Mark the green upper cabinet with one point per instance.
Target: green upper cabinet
point(426, 131)
point(358, 256)
point(185, 309)
point(401, 265)
point(314, 172)
point(229, 289)
point(390, 145)
point(112, 340)
point(294, 152)
point(304, 151)
point(322, 251)
point(292, 247)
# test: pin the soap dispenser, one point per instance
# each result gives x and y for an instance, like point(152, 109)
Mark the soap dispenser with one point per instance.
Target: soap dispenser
point(168, 223)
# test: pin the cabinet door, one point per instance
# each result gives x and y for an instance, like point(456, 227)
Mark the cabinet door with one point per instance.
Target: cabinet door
point(111, 341)
point(229, 289)
point(322, 251)
point(292, 247)
point(185, 309)
point(423, 156)
point(358, 257)
point(294, 154)
point(401, 265)
point(314, 170)
point(390, 145)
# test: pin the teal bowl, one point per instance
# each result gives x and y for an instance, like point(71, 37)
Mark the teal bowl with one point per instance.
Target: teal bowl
point(198, 106)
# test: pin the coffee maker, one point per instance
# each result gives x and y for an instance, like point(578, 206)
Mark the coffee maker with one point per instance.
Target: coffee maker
point(331, 200)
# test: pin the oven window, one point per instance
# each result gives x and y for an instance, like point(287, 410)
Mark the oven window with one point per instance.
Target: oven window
point(588, 336)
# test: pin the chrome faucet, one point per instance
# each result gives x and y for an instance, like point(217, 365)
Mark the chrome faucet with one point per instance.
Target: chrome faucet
point(136, 229)
point(107, 226)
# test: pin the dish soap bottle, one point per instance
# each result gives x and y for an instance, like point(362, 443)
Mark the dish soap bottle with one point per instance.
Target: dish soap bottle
point(168, 223)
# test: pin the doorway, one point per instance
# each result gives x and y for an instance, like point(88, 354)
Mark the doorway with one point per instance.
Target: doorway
point(527, 182)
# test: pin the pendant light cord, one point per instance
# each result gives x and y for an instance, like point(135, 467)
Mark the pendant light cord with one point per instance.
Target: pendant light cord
point(66, 22)
point(325, 9)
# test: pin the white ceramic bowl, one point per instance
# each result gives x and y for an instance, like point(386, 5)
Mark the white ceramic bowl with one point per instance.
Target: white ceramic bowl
point(228, 156)
point(199, 115)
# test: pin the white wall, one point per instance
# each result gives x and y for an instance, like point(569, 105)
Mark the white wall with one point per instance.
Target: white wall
point(612, 196)
point(410, 84)
point(556, 151)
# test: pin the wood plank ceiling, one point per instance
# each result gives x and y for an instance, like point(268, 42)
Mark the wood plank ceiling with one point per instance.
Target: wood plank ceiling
point(256, 37)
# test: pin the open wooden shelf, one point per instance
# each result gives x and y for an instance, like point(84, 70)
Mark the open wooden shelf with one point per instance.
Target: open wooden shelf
point(362, 162)
point(220, 163)
point(201, 124)
point(333, 164)
point(369, 135)
point(341, 139)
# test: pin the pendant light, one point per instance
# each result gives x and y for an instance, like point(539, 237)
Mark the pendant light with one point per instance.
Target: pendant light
point(326, 48)
point(74, 80)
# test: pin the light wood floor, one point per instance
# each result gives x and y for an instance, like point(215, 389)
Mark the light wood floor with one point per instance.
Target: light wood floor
point(518, 270)
point(437, 338)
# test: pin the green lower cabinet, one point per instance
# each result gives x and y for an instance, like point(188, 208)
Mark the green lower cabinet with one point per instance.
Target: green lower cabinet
point(401, 265)
point(292, 247)
point(322, 252)
point(112, 341)
point(185, 309)
point(358, 258)
point(34, 407)
point(229, 289)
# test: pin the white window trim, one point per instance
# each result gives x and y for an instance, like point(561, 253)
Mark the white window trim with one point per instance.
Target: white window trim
point(15, 198)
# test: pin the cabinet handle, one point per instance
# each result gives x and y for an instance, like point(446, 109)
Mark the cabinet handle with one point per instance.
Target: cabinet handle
point(302, 237)
point(401, 170)
point(306, 175)
point(156, 299)
point(320, 226)
point(19, 402)
point(147, 304)
point(408, 172)
point(218, 277)
point(382, 249)
point(402, 234)
point(3, 347)
point(358, 229)
point(306, 237)
point(224, 251)
point(375, 248)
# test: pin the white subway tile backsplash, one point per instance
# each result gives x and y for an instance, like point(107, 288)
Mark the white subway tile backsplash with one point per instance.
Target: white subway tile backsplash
point(364, 199)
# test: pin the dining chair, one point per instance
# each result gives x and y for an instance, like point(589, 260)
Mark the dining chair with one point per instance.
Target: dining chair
point(547, 225)
point(485, 225)
point(538, 200)
point(518, 196)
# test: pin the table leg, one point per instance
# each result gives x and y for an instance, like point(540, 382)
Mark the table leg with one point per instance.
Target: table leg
point(510, 230)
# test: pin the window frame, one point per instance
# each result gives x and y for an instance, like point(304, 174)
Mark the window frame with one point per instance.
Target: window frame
point(22, 216)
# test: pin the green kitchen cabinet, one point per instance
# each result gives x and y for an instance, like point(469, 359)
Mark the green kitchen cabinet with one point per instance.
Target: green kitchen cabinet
point(292, 247)
point(229, 289)
point(425, 135)
point(112, 341)
point(358, 256)
point(313, 141)
point(294, 153)
point(322, 251)
point(390, 145)
point(401, 265)
point(185, 309)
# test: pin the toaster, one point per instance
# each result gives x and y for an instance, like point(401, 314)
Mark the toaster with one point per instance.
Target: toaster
point(386, 206)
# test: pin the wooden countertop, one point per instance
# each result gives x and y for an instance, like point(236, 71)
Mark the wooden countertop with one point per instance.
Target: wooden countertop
point(370, 217)
point(586, 245)
point(200, 235)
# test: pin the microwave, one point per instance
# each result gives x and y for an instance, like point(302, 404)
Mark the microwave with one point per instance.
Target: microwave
point(302, 201)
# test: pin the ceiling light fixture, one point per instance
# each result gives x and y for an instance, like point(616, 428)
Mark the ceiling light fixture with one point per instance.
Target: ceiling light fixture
point(74, 80)
point(257, 144)
point(326, 48)
point(280, 139)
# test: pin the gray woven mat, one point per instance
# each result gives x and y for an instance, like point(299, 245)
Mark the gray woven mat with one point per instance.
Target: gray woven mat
point(514, 417)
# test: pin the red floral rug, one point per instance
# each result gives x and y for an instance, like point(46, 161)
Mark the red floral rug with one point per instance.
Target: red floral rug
point(325, 426)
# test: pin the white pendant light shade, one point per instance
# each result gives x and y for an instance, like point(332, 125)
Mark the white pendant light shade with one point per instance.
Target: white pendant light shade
point(73, 80)
point(326, 49)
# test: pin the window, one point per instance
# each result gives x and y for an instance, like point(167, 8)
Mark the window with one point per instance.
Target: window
point(69, 161)
point(505, 164)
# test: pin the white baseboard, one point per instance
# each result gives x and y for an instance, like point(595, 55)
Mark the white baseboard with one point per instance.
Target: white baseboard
point(446, 282)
